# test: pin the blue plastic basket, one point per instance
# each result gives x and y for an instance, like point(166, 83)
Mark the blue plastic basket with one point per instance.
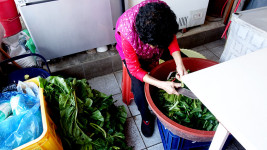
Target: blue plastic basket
point(174, 142)
point(18, 75)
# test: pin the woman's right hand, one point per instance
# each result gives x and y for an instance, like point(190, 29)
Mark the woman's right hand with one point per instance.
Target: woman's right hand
point(169, 87)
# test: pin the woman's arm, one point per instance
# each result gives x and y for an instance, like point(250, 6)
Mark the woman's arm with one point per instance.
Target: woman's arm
point(131, 60)
point(167, 86)
point(176, 54)
point(135, 69)
point(179, 64)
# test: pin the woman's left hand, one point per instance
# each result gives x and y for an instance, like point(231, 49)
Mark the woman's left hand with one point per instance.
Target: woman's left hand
point(180, 71)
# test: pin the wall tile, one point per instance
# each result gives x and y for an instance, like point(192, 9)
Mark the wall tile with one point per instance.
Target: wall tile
point(97, 68)
point(116, 63)
point(75, 71)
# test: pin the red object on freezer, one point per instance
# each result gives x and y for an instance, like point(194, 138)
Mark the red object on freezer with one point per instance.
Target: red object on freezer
point(9, 17)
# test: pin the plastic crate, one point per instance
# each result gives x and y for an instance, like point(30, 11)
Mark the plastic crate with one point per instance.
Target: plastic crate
point(18, 75)
point(174, 142)
point(48, 140)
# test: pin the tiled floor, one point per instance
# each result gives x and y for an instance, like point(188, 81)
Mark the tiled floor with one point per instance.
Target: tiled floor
point(134, 136)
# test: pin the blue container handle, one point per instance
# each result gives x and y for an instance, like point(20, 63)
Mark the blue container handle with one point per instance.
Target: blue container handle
point(26, 55)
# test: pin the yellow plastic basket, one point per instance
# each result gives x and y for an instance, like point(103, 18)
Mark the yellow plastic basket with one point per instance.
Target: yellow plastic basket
point(48, 140)
point(188, 53)
point(192, 54)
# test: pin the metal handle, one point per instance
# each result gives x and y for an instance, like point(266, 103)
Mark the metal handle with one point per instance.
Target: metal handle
point(22, 3)
point(26, 55)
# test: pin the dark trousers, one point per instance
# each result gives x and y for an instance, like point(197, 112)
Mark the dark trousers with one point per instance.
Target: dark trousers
point(139, 91)
point(139, 95)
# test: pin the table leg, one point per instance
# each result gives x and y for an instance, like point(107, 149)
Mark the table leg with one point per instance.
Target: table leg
point(219, 138)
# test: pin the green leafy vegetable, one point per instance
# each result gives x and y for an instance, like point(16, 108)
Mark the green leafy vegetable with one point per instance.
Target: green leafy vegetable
point(186, 111)
point(87, 119)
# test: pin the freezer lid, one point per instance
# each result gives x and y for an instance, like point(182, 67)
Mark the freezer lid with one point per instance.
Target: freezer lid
point(255, 17)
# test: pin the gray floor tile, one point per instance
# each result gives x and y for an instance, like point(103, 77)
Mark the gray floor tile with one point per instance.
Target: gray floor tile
point(215, 44)
point(209, 55)
point(156, 147)
point(218, 50)
point(106, 84)
point(119, 102)
point(133, 137)
point(118, 76)
point(199, 48)
point(133, 108)
point(154, 139)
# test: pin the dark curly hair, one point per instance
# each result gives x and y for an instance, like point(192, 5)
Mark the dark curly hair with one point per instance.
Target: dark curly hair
point(156, 24)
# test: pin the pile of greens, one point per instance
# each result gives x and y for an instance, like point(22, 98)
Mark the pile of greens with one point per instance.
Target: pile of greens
point(186, 111)
point(87, 118)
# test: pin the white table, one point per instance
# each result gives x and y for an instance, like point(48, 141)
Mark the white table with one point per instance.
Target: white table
point(236, 93)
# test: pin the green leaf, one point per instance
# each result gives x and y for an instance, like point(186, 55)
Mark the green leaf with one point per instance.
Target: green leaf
point(96, 115)
point(60, 83)
point(187, 120)
point(122, 114)
point(83, 115)
point(99, 129)
point(68, 113)
point(210, 126)
point(196, 110)
point(208, 116)
point(119, 135)
point(169, 97)
point(185, 111)
point(115, 147)
point(180, 114)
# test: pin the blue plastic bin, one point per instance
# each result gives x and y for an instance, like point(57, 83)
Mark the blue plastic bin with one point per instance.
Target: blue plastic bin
point(174, 142)
point(18, 75)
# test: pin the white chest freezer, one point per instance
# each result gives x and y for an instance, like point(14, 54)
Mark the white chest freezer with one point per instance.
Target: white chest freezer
point(247, 33)
point(189, 13)
point(63, 27)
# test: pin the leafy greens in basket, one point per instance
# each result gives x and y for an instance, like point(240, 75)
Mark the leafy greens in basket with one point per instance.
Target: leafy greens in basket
point(87, 118)
point(186, 111)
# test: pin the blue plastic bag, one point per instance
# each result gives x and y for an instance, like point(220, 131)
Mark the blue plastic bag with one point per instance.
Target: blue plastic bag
point(21, 103)
point(24, 126)
point(29, 88)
